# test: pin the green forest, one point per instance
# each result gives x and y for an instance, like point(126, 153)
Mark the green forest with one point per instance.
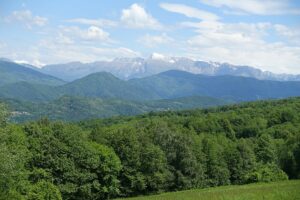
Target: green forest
point(150, 153)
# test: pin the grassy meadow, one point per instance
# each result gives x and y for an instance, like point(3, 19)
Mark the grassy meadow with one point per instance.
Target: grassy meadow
point(285, 190)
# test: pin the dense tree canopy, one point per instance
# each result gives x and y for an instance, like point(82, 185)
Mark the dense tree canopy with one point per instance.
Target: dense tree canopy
point(151, 153)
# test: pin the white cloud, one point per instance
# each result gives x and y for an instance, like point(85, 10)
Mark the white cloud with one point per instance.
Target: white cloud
point(258, 7)
point(67, 44)
point(93, 33)
point(27, 18)
point(137, 17)
point(155, 40)
point(242, 44)
point(49, 51)
point(93, 22)
point(189, 11)
point(59, 53)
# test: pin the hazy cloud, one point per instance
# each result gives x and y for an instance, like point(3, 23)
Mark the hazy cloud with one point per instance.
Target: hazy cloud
point(155, 40)
point(27, 18)
point(189, 11)
point(258, 7)
point(93, 22)
point(291, 34)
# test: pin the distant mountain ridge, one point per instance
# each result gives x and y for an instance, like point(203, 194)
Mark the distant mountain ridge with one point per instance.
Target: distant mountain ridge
point(129, 68)
point(166, 85)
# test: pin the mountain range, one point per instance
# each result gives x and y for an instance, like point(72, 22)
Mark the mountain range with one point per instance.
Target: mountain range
point(165, 85)
point(128, 68)
point(33, 93)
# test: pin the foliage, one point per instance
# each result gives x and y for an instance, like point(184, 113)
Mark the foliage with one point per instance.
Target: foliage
point(80, 168)
point(150, 153)
point(43, 190)
point(266, 173)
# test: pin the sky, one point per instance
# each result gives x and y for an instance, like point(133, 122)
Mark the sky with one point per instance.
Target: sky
point(263, 34)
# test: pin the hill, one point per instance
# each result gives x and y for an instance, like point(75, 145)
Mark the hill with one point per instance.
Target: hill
point(11, 72)
point(105, 85)
point(68, 108)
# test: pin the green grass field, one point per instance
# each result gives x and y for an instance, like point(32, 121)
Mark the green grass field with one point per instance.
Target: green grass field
point(287, 190)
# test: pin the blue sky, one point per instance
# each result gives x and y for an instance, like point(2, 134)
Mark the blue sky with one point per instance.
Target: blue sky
point(264, 34)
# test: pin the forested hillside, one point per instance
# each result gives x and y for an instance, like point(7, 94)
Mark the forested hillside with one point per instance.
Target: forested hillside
point(150, 153)
point(68, 108)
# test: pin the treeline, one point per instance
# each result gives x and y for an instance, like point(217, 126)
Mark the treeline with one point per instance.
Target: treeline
point(151, 153)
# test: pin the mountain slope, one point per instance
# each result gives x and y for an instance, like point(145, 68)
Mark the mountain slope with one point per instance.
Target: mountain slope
point(174, 84)
point(105, 85)
point(11, 73)
point(28, 91)
point(166, 85)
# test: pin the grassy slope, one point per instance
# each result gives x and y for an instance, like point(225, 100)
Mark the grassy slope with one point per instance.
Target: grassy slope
point(287, 190)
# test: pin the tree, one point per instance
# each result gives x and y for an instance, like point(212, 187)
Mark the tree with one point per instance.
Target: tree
point(216, 166)
point(126, 145)
point(240, 160)
point(265, 150)
point(14, 156)
point(266, 173)
point(297, 159)
point(154, 168)
point(43, 190)
point(79, 168)
point(183, 153)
